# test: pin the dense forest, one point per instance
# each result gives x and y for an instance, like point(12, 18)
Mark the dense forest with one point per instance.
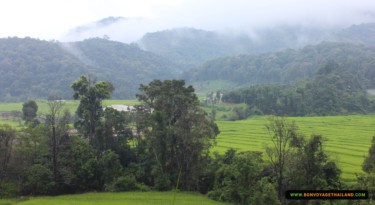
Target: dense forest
point(330, 92)
point(32, 68)
point(192, 47)
point(163, 144)
point(290, 66)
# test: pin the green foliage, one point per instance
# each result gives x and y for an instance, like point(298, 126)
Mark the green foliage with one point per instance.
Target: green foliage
point(125, 183)
point(29, 110)
point(347, 138)
point(238, 180)
point(110, 167)
point(329, 93)
point(281, 133)
point(36, 69)
point(89, 109)
point(178, 134)
point(38, 180)
point(8, 189)
point(367, 181)
point(114, 133)
point(126, 66)
point(289, 66)
point(369, 162)
point(265, 193)
point(309, 167)
point(7, 138)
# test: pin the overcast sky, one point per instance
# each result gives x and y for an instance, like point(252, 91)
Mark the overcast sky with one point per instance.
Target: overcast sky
point(54, 19)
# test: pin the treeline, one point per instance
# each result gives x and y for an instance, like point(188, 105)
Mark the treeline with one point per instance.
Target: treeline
point(163, 144)
point(330, 92)
point(289, 66)
point(192, 47)
point(34, 69)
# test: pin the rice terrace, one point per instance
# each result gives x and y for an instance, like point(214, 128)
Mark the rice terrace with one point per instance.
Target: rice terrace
point(187, 102)
point(347, 138)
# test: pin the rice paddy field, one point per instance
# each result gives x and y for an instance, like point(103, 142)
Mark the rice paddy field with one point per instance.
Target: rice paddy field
point(347, 138)
point(131, 198)
point(70, 105)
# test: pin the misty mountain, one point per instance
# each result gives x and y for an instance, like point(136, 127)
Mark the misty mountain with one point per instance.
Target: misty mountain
point(191, 47)
point(32, 68)
point(363, 34)
point(290, 65)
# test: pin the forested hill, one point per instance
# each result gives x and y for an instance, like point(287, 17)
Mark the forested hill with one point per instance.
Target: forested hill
point(32, 68)
point(363, 34)
point(290, 65)
point(192, 47)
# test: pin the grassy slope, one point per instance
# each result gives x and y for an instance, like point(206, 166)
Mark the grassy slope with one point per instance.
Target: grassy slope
point(129, 198)
point(348, 138)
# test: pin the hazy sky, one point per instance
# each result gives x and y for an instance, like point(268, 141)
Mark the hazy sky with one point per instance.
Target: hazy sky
point(53, 19)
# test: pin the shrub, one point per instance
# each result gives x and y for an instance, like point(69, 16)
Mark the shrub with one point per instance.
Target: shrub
point(8, 190)
point(127, 183)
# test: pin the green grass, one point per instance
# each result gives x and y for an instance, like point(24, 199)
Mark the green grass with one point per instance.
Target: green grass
point(223, 111)
point(204, 88)
point(348, 138)
point(71, 105)
point(128, 198)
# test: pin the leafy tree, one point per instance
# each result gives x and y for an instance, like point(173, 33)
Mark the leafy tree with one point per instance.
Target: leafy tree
point(265, 193)
point(57, 127)
point(90, 108)
point(368, 164)
point(367, 181)
point(29, 110)
point(281, 134)
point(309, 166)
point(7, 137)
point(38, 180)
point(57, 130)
point(239, 179)
point(114, 133)
point(178, 134)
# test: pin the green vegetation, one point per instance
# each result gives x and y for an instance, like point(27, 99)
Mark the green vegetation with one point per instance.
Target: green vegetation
point(70, 105)
point(191, 47)
point(35, 69)
point(130, 198)
point(289, 66)
point(347, 138)
point(330, 92)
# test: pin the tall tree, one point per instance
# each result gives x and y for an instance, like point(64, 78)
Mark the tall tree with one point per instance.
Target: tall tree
point(29, 110)
point(369, 164)
point(178, 133)
point(7, 136)
point(281, 133)
point(58, 128)
point(90, 109)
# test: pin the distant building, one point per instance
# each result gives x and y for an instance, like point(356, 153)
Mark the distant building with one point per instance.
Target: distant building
point(122, 108)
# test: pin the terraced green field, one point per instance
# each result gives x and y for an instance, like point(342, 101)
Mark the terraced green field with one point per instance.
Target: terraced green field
point(348, 138)
point(129, 198)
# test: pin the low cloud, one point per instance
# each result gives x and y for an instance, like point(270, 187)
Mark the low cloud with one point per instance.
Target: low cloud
point(233, 16)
